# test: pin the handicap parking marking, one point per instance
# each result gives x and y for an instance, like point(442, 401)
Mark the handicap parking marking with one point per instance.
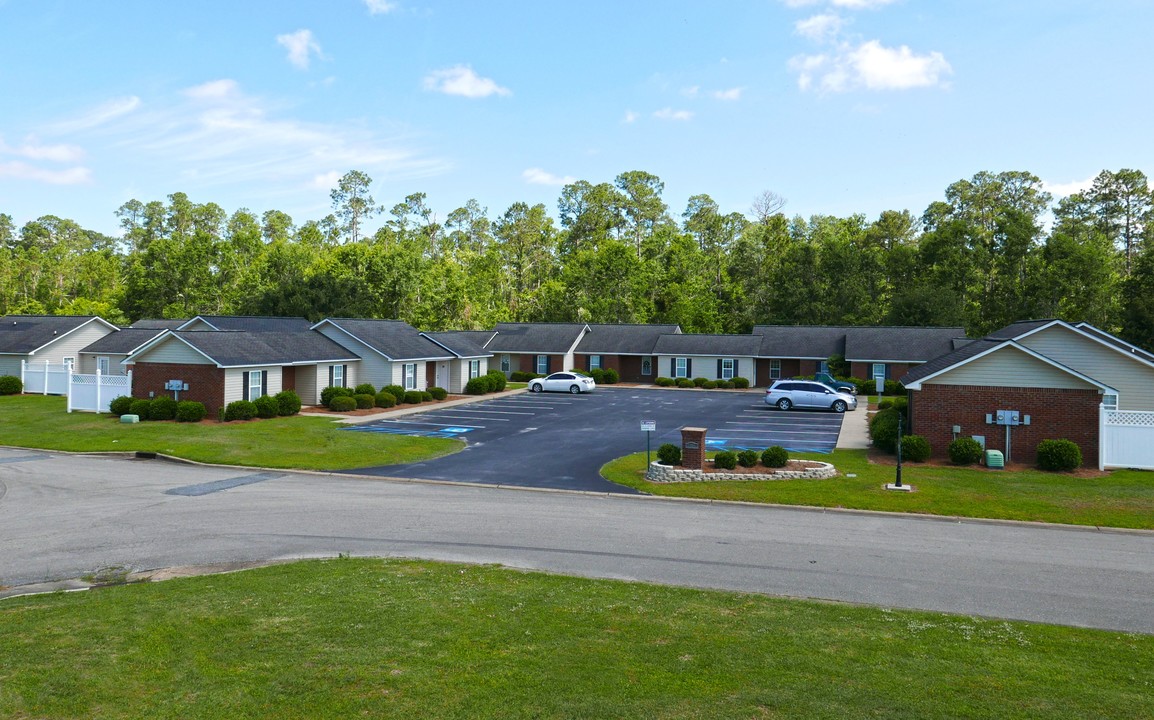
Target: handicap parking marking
point(417, 422)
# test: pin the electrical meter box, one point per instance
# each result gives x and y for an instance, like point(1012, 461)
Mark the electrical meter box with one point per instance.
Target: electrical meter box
point(1008, 417)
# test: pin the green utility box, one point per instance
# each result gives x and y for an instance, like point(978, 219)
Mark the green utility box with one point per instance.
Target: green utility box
point(994, 459)
point(129, 418)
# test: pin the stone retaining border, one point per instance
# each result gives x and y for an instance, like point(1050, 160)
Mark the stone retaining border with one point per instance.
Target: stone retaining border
point(659, 473)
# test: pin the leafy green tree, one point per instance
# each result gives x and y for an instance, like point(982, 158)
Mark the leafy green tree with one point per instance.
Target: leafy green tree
point(352, 203)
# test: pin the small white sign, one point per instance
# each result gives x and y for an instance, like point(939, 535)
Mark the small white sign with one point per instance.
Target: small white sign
point(648, 425)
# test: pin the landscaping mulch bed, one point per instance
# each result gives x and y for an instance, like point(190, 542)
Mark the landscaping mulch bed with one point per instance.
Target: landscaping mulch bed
point(791, 466)
point(322, 410)
point(877, 457)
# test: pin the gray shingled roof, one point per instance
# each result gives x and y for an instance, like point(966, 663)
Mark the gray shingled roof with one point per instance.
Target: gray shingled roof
point(158, 323)
point(815, 342)
point(967, 351)
point(721, 345)
point(542, 338)
point(23, 334)
point(464, 343)
point(238, 348)
point(123, 341)
point(252, 323)
point(395, 339)
point(1120, 344)
point(899, 344)
point(623, 339)
point(1018, 329)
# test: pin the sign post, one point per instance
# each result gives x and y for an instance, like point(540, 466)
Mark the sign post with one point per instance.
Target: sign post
point(647, 427)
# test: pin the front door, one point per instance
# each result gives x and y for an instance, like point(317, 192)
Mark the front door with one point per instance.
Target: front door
point(443, 375)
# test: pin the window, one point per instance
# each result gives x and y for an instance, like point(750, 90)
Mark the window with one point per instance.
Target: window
point(594, 362)
point(1110, 401)
point(647, 366)
point(102, 365)
point(255, 384)
point(879, 370)
point(774, 369)
point(338, 375)
point(474, 369)
point(504, 363)
point(70, 361)
point(542, 364)
point(410, 376)
point(727, 368)
point(681, 365)
point(823, 366)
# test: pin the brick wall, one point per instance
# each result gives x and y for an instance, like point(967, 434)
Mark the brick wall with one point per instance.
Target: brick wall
point(1054, 413)
point(205, 382)
point(693, 448)
point(864, 370)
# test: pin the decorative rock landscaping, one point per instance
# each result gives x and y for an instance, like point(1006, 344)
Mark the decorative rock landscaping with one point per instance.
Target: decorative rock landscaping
point(659, 473)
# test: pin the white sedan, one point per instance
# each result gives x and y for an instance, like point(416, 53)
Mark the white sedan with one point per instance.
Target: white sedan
point(570, 382)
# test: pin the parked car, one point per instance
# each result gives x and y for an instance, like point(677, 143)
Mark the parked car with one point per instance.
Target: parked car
point(787, 394)
point(839, 385)
point(571, 382)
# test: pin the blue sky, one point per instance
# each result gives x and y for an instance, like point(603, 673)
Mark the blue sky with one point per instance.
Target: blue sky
point(840, 106)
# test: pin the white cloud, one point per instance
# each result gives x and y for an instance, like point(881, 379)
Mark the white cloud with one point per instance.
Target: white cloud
point(847, 4)
point(730, 94)
point(630, 117)
point(537, 176)
point(872, 66)
point(32, 150)
point(380, 7)
point(690, 91)
point(222, 90)
point(1061, 190)
point(98, 115)
point(461, 80)
point(24, 171)
point(671, 114)
point(301, 46)
point(326, 180)
point(819, 28)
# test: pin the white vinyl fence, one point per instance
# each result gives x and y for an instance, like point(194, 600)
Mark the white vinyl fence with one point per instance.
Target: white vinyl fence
point(1126, 439)
point(45, 378)
point(92, 393)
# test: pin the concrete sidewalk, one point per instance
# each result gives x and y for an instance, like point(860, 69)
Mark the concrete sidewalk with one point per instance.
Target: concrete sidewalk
point(854, 433)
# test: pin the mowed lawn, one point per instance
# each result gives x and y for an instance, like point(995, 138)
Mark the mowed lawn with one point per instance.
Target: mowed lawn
point(404, 639)
point(1122, 498)
point(306, 443)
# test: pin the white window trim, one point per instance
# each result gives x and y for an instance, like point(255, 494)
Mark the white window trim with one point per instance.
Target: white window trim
point(409, 376)
point(647, 366)
point(538, 362)
point(69, 361)
point(1110, 401)
point(681, 367)
point(727, 368)
point(338, 375)
point(874, 370)
point(474, 369)
point(255, 384)
point(103, 363)
point(594, 362)
point(775, 369)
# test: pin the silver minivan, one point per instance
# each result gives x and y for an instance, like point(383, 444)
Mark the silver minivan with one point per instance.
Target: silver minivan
point(787, 394)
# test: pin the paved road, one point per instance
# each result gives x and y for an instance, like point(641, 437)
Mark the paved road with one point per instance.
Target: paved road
point(63, 517)
point(560, 441)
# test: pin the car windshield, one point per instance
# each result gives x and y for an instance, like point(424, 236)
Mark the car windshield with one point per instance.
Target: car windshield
point(578, 373)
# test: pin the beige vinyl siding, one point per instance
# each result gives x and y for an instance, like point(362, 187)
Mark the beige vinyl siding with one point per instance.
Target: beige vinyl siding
point(71, 344)
point(1010, 367)
point(398, 374)
point(10, 365)
point(1133, 379)
point(198, 324)
point(86, 363)
point(372, 368)
point(171, 350)
point(706, 366)
point(459, 373)
point(234, 382)
point(307, 381)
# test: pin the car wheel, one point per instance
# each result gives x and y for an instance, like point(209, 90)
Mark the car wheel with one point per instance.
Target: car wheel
point(839, 406)
point(784, 404)
point(535, 387)
point(573, 389)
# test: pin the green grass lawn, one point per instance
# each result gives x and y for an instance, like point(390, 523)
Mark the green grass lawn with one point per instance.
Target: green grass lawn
point(1124, 498)
point(307, 443)
point(369, 638)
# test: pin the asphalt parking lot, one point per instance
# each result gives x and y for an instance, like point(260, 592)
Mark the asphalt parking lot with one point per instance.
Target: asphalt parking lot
point(560, 441)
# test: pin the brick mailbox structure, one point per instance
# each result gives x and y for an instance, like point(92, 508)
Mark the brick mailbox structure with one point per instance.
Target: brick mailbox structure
point(693, 448)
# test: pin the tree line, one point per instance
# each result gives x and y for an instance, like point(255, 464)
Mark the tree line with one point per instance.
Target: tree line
point(996, 249)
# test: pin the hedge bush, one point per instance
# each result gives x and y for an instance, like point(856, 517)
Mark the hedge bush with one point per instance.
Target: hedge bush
point(884, 429)
point(120, 405)
point(288, 403)
point(699, 381)
point(893, 387)
point(710, 385)
point(413, 397)
point(747, 458)
point(139, 408)
point(343, 403)
point(521, 376)
point(426, 396)
point(685, 383)
point(740, 382)
point(611, 376)
point(669, 454)
point(965, 451)
point(598, 375)
point(774, 457)
point(1059, 455)
point(239, 410)
point(385, 399)
point(365, 400)
point(396, 391)
point(266, 407)
point(885, 404)
point(728, 385)
point(10, 385)
point(333, 391)
point(663, 382)
point(190, 411)
point(915, 448)
point(497, 380)
point(364, 389)
point(438, 393)
point(726, 460)
point(162, 408)
point(477, 386)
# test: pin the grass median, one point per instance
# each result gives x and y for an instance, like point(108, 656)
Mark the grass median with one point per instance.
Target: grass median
point(1122, 498)
point(406, 639)
point(305, 443)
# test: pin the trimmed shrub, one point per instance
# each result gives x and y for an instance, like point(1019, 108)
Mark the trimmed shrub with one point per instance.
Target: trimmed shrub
point(901, 404)
point(426, 396)
point(190, 411)
point(365, 400)
point(413, 397)
point(915, 448)
point(140, 408)
point(710, 385)
point(287, 403)
point(774, 457)
point(726, 460)
point(699, 381)
point(669, 454)
point(266, 407)
point(685, 383)
point(396, 391)
point(521, 376)
point(343, 403)
point(747, 458)
point(438, 393)
point(740, 382)
point(885, 404)
point(364, 389)
point(728, 385)
point(864, 387)
point(477, 386)
point(598, 375)
point(884, 430)
point(11, 385)
point(385, 399)
point(965, 451)
point(239, 410)
point(893, 387)
point(497, 380)
point(333, 391)
point(120, 405)
point(1059, 455)
point(611, 376)
point(663, 382)
point(162, 408)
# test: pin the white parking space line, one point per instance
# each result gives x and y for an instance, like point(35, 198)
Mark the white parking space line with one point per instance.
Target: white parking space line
point(434, 424)
point(782, 432)
point(471, 417)
point(496, 412)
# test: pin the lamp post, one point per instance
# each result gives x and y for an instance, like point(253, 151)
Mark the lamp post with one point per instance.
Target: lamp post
point(898, 481)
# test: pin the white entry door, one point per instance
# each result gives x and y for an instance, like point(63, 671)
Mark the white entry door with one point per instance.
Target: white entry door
point(443, 375)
